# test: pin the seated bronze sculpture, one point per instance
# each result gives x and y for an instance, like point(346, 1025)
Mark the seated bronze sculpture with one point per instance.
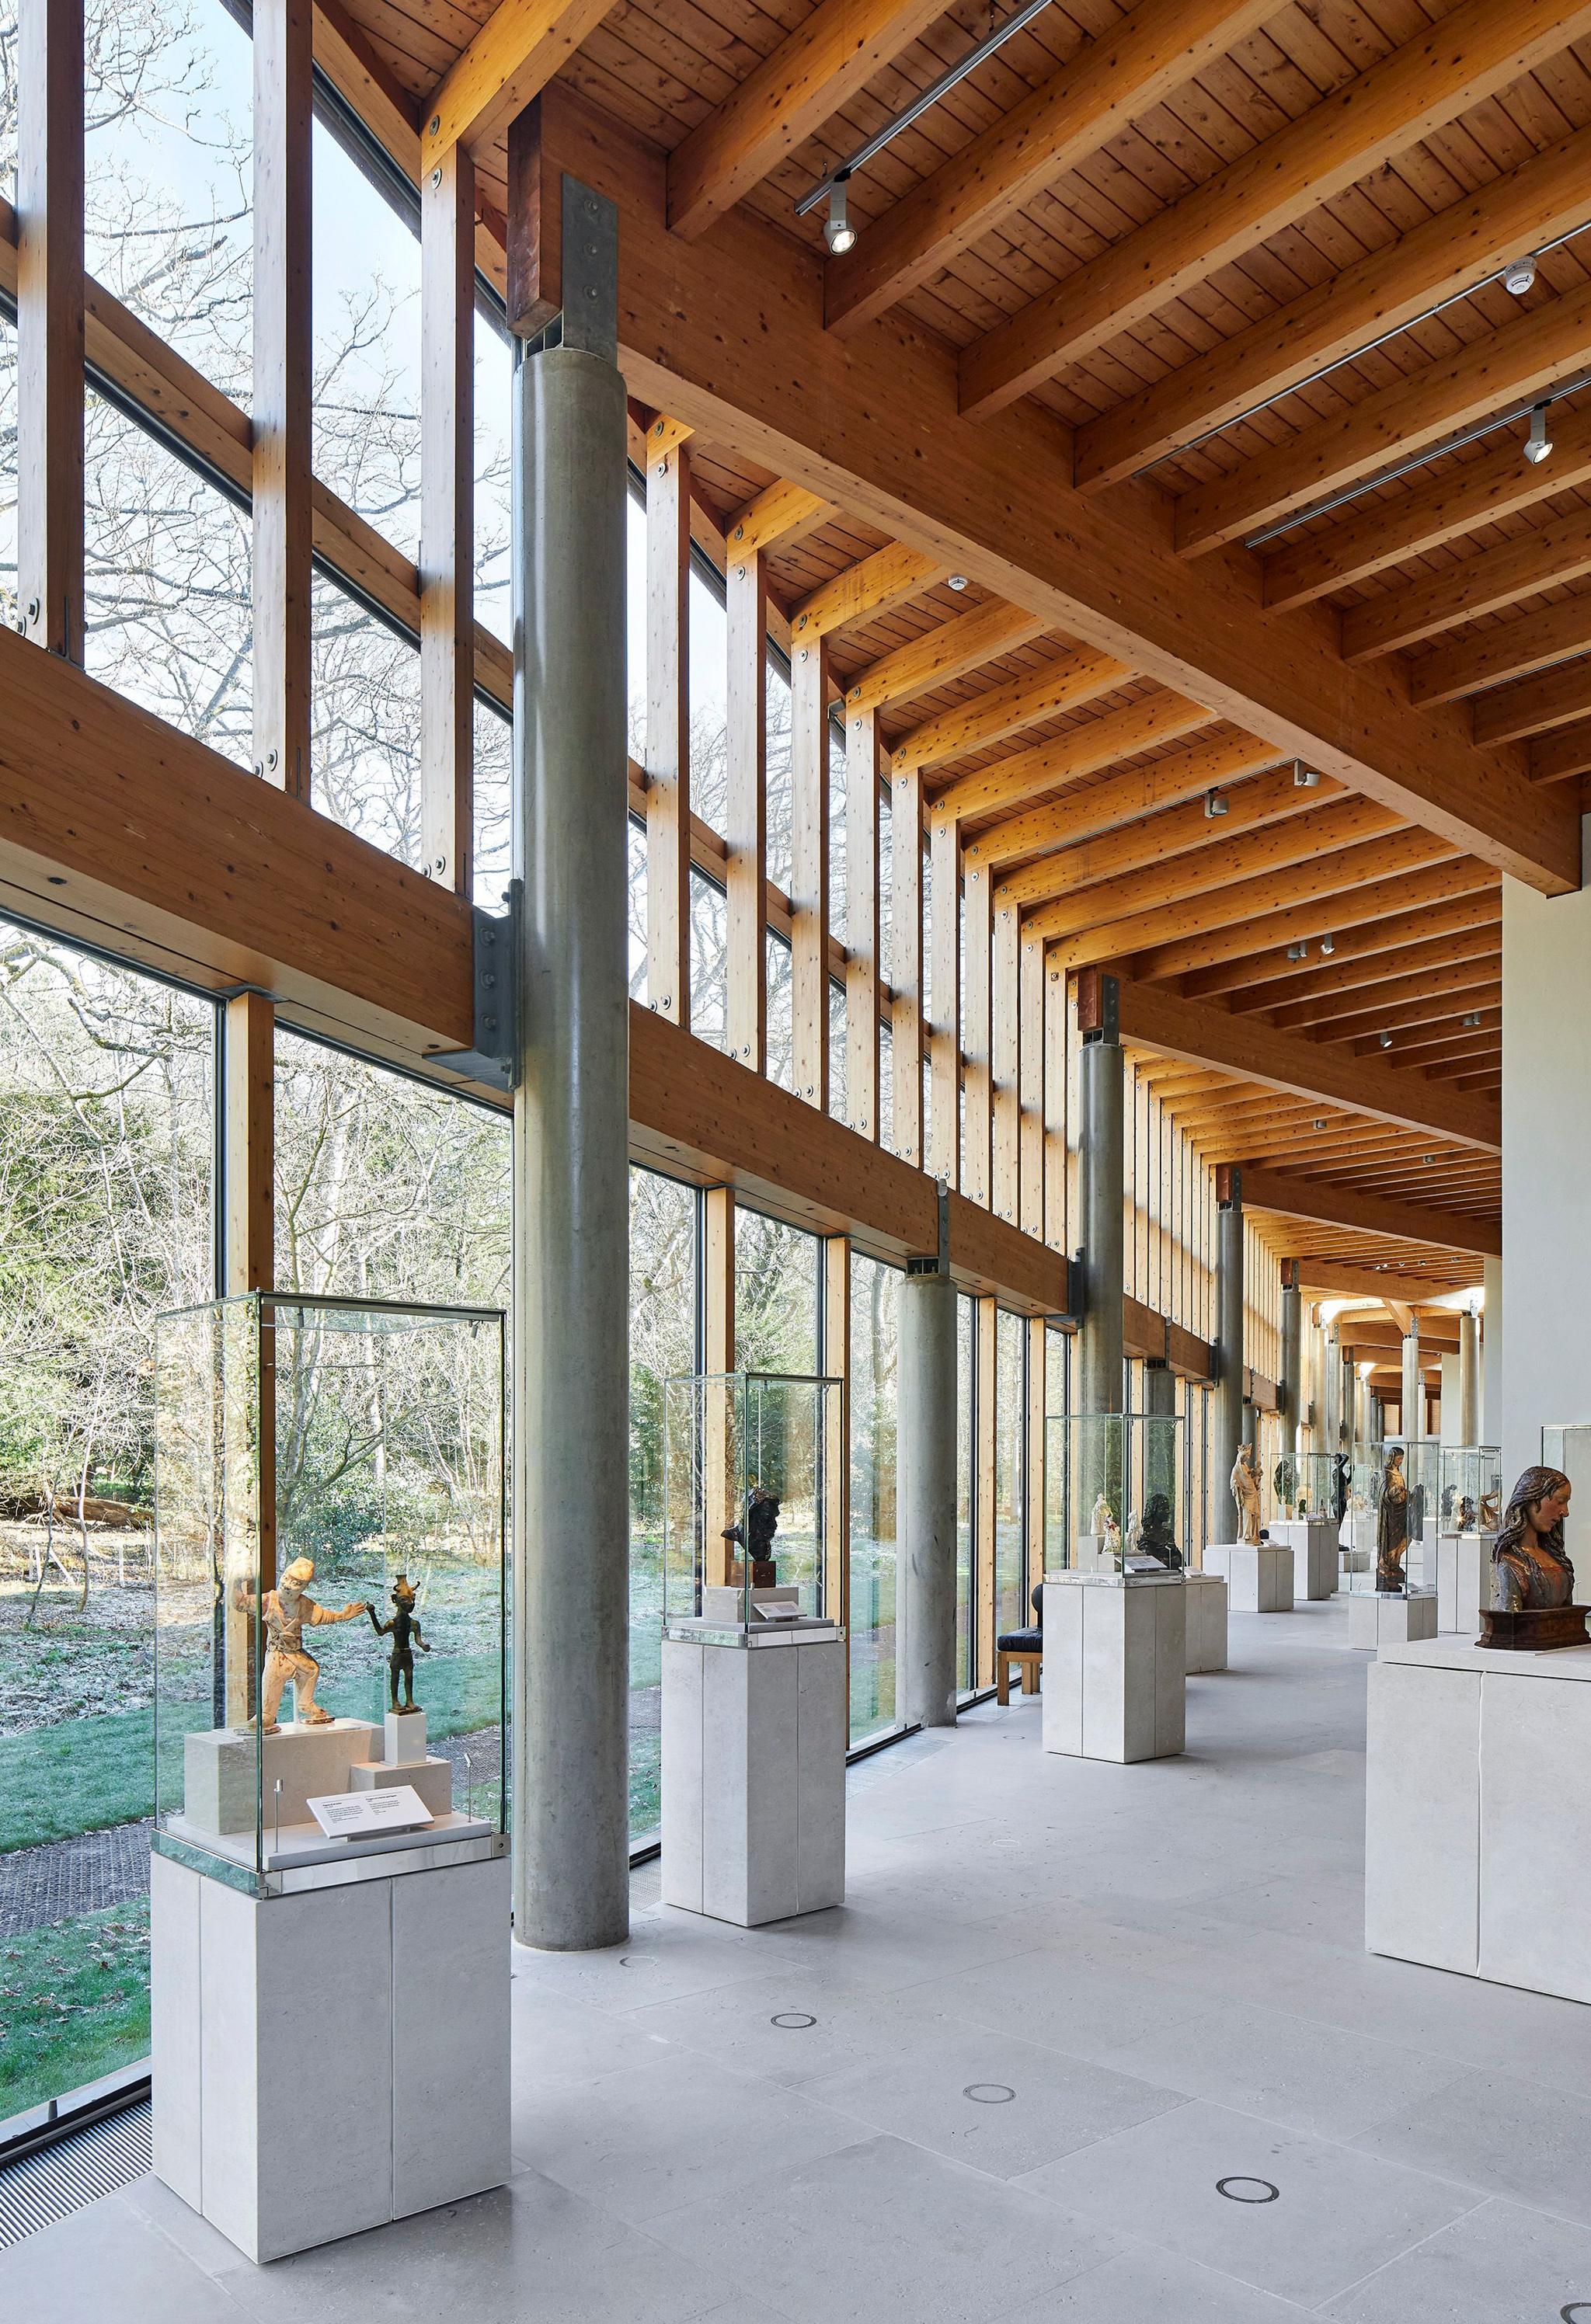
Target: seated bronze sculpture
point(756, 1537)
point(1155, 1538)
point(1532, 1579)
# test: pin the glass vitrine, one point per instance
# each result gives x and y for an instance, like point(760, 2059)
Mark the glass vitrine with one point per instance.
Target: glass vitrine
point(1568, 1447)
point(1471, 1500)
point(1115, 1493)
point(752, 1466)
point(1396, 1499)
point(1322, 1486)
point(329, 1607)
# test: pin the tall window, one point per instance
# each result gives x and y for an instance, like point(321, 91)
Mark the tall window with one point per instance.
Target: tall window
point(874, 1329)
point(663, 1346)
point(1010, 1440)
point(965, 1487)
point(775, 1296)
point(106, 1129)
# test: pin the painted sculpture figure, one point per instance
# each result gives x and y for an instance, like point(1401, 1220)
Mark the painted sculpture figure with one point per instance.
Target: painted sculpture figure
point(1156, 1539)
point(1392, 1526)
point(1245, 1495)
point(403, 1630)
point(1533, 1605)
point(288, 1608)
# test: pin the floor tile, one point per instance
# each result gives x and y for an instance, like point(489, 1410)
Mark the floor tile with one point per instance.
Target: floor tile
point(559, 2041)
point(108, 2260)
point(1339, 2213)
point(1502, 2264)
point(755, 2025)
point(665, 1954)
point(1145, 2286)
point(1083, 2005)
point(1502, 2135)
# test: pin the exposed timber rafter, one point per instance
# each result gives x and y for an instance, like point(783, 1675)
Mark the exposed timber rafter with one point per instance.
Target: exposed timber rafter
point(1317, 1199)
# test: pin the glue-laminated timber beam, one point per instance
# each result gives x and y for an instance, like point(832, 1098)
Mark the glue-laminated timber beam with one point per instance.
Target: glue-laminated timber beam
point(668, 725)
point(730, 339)
point(810, 872)
point(1529, 705)
point(1089, 100)
point(1183, 774)
point(49, 291)
point(1319, 1279)
point(908, 1018)
point(745, 808)
point(1561, 751)
point(1559, 552)
point(864, 590)
point(1444, 69)
point(1145, 849)
point(1516, 360)
point(1211, 866)
point(1426, 1039)
point(1360, 958)
point(516, 52)
point(1443, 256)
point(1364, 884)
point(283, 535)
point(1299, 1198)
point(778, 516)
point(1454, 500)
point(1082, 750)
point(1529, 642)
point(944, 1117)
point(447, 520)
point(864, 935)
point(351, 63)
point(1190, 1028)
point(1063, 684)
point(1443, 967)
point(1437, 1001)
point(946, 652)
point(809, 77)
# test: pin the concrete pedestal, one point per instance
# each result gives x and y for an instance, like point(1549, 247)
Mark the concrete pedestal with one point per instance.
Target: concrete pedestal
point(1473, 1862)
point(753, 1760)
point(1464, 1581)
point(1115, 1664)
point(1205, 1598)
point(327, 2061)
point(1313, 1544)
point(1382, 1618)
point(1259, 1579)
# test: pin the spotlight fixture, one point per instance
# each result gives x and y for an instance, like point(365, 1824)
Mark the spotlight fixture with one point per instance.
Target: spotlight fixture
point(838, 232)
point(1520, 274)
point(1213, 805)
point(1297, 952)
point(1471, 1016)
point(1385, 1039)
point(1328, 945)
point(956, 581)
point(1538, 443)
point(1321, 1123)
point(1304, 779)
point(1427, 1159)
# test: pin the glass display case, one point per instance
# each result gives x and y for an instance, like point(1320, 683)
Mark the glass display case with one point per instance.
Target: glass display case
point(1395, 1497)
point(330, 1604)
point(1471, 1497)
point(1115, 1493)
point(1322, 1482)
point(752, 1466)
point(1568, 1448)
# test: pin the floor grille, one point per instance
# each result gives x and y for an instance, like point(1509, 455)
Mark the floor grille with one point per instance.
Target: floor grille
point(76, 2169)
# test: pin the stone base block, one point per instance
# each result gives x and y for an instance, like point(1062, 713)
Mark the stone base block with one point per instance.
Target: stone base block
point(219, 1771)
point(1115, 1667)
point(1313, 1544)
point(1378, 1619)
point(726, 1606)
point(753, 1760)
point(403, 1738)
point(1259, 1579)
point(285, 2133)
point(1205, 1595)
point(1464, 1581)
point(432, 1779)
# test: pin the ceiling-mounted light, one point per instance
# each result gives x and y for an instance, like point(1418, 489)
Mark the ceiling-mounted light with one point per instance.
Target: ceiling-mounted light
point(1538, 443)
point(1297, 952)
point(838, 232)
point(1213, 805)
point(1471, 1016)
point(1328, 945)
point(1427, 1159)
point(956, 581)
point(1304, 779)
point(1520, 274)
point(1385, 1039)
point(1320, 1124)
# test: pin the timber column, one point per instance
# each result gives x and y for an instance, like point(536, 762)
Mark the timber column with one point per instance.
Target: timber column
point(571, 1517)
point(1229, 1306)
point(926, 1467)
point(1411, 1389)
point(1101, 1166)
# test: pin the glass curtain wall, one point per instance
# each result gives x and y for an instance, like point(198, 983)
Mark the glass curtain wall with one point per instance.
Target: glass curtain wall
point(662, 1345)
point(1010, 1472)
point(874, 1326)
point(966, 1493)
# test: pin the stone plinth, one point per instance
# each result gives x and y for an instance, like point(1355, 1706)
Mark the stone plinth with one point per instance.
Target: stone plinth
point(1116, 1651)
point(1384, 1617)
point(1464, 1581)
point(1313, 1544)
point(1258, 1578)
point(218, 1774)
point(431, 1779)
point(1205, 1595)
point(1473, 1861)
point(327, 2061)
point(753, 1772)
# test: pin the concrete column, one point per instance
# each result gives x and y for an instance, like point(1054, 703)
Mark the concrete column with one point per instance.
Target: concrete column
point(1101, 1159)
point(571, 1519)
point(1331, 1394)
point(1412, 1397)
point(1293, 1400)
point(1227, 1434)
point(925, 1468)
point(1469, 1378)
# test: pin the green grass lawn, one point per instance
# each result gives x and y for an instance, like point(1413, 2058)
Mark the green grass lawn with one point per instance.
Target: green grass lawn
point(74, 2004)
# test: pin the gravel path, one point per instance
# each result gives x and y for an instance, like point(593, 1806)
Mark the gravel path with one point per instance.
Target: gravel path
point(41, 1886)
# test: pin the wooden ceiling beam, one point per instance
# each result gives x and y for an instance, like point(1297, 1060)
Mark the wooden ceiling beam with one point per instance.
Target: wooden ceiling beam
point(1559, 552)
point(1193, 1030)
point(1065, 684)
point(1440, 258)
point(516, 52)
point(1321, 1281)
point(777, 517)
point(1183, 774)
point(1561, 751)
point(889, 577)
point(1297, 1198)
point(1464, 930)
point(1225, 866)
point(1336, 1005)
point(945, 652)
point(1529, 705)
point(1477, 49)
point(1082, 750)
point(1444, 1000)
point(1145, 848)
point(1518, 359)
point(1160, 46)
point(809, 77)
point(1507, 649)
point(1361, 920)
point(1372, 1142)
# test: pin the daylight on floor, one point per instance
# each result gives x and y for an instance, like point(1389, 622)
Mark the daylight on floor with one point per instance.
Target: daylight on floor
point(789, 1496)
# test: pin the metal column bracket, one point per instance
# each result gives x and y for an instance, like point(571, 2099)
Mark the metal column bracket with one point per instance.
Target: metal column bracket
point(492, 1057)
point(936, 1262)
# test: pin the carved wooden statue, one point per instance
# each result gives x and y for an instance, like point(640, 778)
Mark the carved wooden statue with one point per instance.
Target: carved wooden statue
point(1532, 1604)
point(1245, 1495)
point(1392, 1526)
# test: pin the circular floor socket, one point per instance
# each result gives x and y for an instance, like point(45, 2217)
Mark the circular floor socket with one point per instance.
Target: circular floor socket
point(795, 2019)
point(989, 2093)
point(1575, 2311)
point(635, 1961)
point(1239, 2190)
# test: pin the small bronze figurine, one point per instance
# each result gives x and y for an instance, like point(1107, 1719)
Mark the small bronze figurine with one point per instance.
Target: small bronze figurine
point(1532, 1579)
point(403, 1630)
point(1155, 1537)
point(1392, 1526)
point(755, 1535)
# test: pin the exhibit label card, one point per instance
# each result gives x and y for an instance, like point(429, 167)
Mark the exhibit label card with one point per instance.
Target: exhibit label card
point(355, 1815)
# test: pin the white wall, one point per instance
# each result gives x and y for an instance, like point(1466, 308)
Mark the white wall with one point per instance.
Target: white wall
point(1546, 1165)
point(1492, 1355)
point(1449, 1412)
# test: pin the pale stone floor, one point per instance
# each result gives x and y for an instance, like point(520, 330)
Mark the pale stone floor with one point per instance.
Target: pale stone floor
point(1164, 1964)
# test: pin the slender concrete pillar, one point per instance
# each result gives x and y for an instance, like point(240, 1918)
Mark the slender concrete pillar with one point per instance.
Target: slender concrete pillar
point(571, 1518)
point(1103, 1192)
point(926, 1468)
point(1469, 1378)
point(1331, 1394)
point(1293, 1400)
point(1229, 1362)
point(1412, 1397)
